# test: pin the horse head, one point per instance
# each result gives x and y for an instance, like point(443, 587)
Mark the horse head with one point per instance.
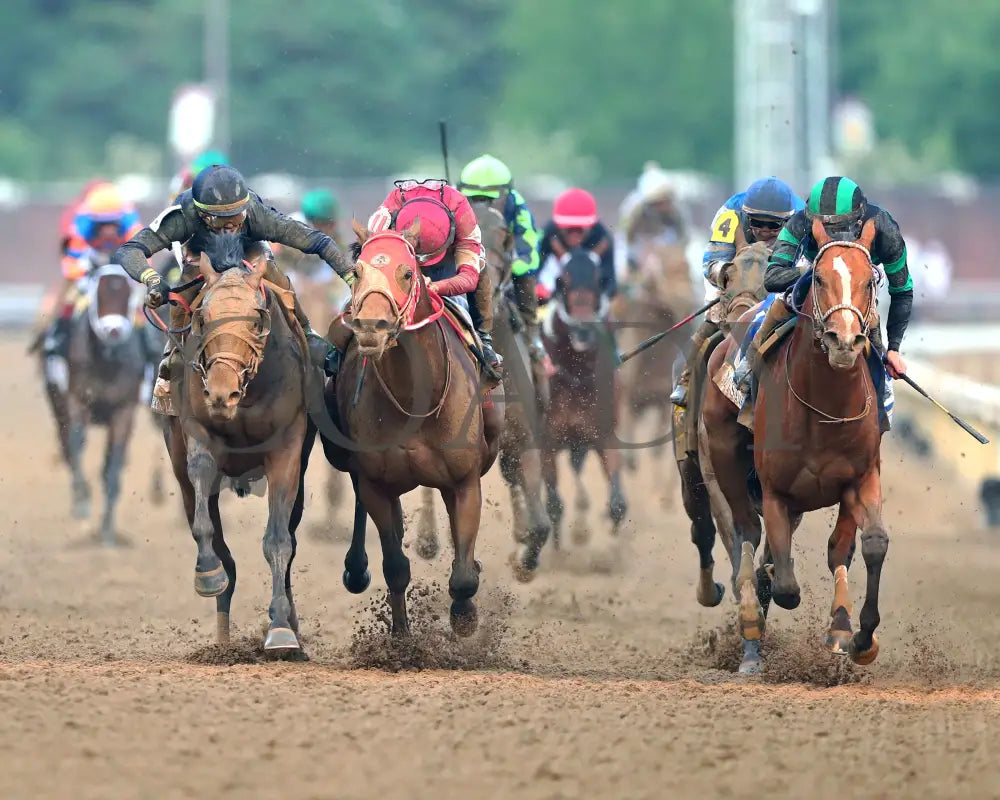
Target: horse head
point(387, 295)
point(742, 282)
point(580, 304)
point(497, 239)
point(113, 302)
point(232, 321)
point(842, 297)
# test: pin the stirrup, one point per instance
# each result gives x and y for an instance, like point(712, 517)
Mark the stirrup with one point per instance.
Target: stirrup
point(679, 396)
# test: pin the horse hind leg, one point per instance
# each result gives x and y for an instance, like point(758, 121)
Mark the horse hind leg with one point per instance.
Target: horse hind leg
point(554, 506)
point(427, 545)
point(76, 437)
point(577, 456)
point(617, 505)
point(866, 507)
point(697, 505)
point(464, 504)
point(510, 471)
point(539, 525)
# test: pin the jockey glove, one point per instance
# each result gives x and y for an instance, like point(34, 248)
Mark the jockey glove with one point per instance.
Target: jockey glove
point(157, 290)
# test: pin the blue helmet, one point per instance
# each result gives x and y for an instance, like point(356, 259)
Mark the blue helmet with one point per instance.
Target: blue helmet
point(768, 199)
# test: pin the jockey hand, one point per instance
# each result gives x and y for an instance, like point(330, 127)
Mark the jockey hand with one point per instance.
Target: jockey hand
point(157, 290)
point(895, 364)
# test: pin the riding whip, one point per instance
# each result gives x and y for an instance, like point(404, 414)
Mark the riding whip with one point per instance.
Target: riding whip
point(657, 336)
point(442, 127)
point(955, 418)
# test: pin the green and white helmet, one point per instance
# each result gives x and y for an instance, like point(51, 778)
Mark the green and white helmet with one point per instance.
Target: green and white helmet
point(837, 202)
point(485, 176)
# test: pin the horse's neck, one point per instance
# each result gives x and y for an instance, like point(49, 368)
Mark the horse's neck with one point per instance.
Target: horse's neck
point(273, 369)
point(837, 392)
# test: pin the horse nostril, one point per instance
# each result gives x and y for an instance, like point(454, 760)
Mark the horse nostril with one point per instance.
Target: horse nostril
point(859, 340)
point(831, 338)
point(206, 392)
point(234, 396)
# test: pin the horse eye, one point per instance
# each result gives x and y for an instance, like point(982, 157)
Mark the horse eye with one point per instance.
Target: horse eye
point(408, 274)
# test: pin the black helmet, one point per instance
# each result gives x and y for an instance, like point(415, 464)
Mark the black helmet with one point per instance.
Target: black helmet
point(838, 203)
point(220, 191)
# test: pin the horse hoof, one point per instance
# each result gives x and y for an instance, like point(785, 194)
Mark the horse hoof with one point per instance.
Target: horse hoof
point(355, 582)
point(281, 639)
point(464, 617)
point(212, 583)
point(617, 512)
point(81, 509)
point(839, 642)
point(523, 572)
point(750, 666)
point(713, 600)
point(427, 547)
point(862, 657)
point(786, 600)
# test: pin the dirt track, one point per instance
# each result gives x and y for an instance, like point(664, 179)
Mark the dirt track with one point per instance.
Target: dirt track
point(603, 678)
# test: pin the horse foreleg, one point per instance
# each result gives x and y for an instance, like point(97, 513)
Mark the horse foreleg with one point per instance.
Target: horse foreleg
point(76, 437)
point(777, 523)
point(539, 525)
point(839, 552)
point(119, 433)
point(577, 457)
point(464, 504)
point(510, 471)
point(222, 601)
point(427, 534)
point(387, 514)
point(356, 577)
point(210, 579)
point(865, 505)
point(611, 461)
point(554, 504)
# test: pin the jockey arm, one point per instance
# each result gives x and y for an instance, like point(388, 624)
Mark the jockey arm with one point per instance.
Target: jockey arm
point(468, 252)
point(265, 223)
point(721, 249)
point(170, 226)
point(519, 217)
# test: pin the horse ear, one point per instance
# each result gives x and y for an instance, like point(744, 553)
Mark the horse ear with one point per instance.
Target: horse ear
point(868, 234)
point(207, 270)
point(819, 234)
point(359, 230)
point(258, 267)
point(412, 234)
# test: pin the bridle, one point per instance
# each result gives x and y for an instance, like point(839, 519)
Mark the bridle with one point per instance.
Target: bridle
point(233, 326)
point(819, 317)
point(101, 330)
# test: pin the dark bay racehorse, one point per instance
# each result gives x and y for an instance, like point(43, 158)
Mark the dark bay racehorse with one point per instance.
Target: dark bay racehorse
point(815, 444)
point(106, 361)
point(583, 409)
point(520, 458)
point(242, 413)
point(409, 411)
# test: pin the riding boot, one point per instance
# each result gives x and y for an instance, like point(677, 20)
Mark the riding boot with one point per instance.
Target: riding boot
point(778, 313)
point(55, 348)
point(704, 332)
point(481, 311)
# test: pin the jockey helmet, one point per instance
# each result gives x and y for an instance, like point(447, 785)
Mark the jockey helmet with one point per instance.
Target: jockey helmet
point(219, 193)
point(207, 159)
point(655, 184)
point(768, 200)
point(104, 203)
point(437, 227)
point(319, 205)
point(575, 208)
point(485, 176)
point(839, 204)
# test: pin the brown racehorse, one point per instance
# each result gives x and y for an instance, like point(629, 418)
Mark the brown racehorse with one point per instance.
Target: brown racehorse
point(815, 444)
point(520, 458)
point(742, 289)
point(583, 410)
point(106, 362)
point(242, 414)
point(407, 402)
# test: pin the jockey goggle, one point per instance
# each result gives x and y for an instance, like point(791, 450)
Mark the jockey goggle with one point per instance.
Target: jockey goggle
point(224, 224)
point(408, 185)
point(766, 224)
point(106, 239)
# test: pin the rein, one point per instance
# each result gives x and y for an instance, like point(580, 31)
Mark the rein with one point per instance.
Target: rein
point(444, 392)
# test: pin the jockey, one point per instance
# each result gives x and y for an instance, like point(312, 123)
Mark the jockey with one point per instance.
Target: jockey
point(449, 252)
point(220, 201)
point(105, 221)
point(489, 179)
point(842, 207)
point(754, 215)
point(69, 214)
point(575, 223)
point(652, 210)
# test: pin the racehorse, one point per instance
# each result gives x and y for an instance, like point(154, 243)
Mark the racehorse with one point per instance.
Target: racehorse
point(742, 289)
point(583, 409)
point(406, 406)
point(816, 444)
point(106, 362)
point(655, 294)
point(520, 459)
point(242, 409)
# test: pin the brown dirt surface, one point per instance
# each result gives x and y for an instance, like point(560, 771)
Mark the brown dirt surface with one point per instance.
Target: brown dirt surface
point(602, 678)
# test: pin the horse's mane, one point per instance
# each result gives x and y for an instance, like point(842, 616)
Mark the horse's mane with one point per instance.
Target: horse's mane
point(225, 250)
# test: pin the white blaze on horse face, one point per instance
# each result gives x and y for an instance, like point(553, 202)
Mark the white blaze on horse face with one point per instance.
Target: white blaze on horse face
point(844, 274)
